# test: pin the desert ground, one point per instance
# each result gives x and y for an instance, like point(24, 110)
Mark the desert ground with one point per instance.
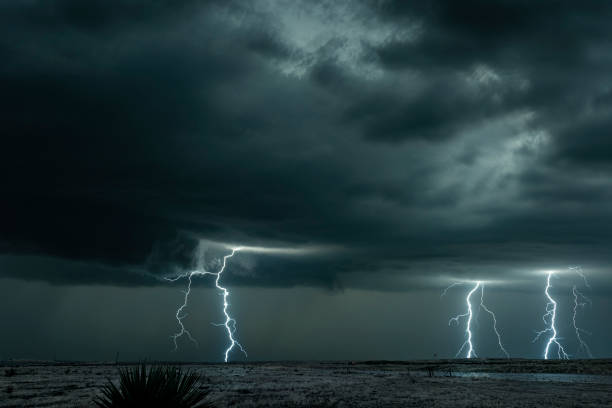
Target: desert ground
point(436, 383)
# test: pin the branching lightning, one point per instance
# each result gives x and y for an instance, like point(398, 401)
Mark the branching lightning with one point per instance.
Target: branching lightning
point(549, 321)
point(470, 317)
point(468, 326)
point(580, 301)
point(179, 312)
point(486, 309)
point(229, 324)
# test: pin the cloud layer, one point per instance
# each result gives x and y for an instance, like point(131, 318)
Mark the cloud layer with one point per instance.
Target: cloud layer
point(424, 140)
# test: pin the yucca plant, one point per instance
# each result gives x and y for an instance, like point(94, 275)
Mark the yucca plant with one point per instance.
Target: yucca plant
point(158, 386)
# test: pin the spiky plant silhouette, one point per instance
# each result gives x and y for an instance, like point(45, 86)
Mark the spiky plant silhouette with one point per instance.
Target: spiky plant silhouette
point(158, 386)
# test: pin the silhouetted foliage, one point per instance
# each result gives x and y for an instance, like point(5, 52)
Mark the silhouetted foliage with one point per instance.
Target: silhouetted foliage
point(158, 386)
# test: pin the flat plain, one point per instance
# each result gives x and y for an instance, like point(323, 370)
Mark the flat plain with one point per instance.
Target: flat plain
point(434, 383)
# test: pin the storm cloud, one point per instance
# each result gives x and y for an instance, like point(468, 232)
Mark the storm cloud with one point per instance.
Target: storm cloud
point(422, 141)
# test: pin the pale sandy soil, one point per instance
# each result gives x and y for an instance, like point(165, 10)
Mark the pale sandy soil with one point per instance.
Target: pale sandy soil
point(341, 384)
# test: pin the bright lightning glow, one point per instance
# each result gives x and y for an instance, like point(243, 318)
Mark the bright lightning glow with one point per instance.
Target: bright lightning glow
point(229, 324)
point(179, 312)
point(581, 301)
point(468, 326)
point(486, 309)
point(469, 315)
point(549, 320)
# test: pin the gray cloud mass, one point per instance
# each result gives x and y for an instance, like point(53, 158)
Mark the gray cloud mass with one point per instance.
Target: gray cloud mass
point(424, 140)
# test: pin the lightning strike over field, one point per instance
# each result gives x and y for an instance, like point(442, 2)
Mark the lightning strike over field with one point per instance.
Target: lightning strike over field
point(468, 326)
point(486, 309)
point(580, 301)
point(470, 317)
point(229, 324)
point(549, 320)
point(179, 312)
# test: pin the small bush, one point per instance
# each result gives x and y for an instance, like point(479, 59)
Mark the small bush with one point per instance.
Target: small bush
point(158, 386)
point(9, 389)
point(9, 372)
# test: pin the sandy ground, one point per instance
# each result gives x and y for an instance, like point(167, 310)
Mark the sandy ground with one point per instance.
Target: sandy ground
point(337, 384)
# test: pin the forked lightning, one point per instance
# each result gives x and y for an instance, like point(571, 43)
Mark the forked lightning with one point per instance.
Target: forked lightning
point(549, 319)
point(580, 301)
point(229, 323)
point(470, 317)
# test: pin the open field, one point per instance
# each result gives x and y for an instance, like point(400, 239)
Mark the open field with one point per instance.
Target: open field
point(474, 383)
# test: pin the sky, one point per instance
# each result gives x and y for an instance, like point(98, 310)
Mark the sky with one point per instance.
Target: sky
point(384, 149)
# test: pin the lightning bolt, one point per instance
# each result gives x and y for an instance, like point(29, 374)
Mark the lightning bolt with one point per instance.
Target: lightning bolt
point(486, 309)
point(549, 320)
point(452, 285)
point(229, 324)
point(468, 326)
point(581, 301)
point(179, 312)
point(470, 315)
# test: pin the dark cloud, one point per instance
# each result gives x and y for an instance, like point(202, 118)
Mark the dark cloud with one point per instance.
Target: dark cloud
point(97, 14)
point(424, 140)
point(444, 108)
